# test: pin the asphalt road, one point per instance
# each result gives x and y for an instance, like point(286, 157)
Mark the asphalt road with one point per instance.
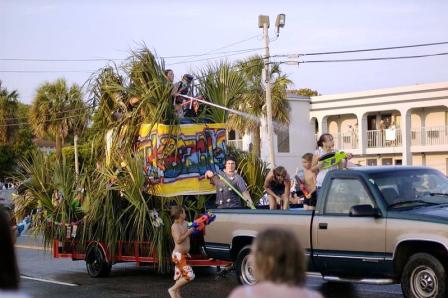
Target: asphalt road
point(43, 276)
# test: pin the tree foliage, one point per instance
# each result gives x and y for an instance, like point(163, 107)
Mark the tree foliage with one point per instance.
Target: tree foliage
point(15, 134)
point(57, 109)
point(304, 92)
point(8, 118)
point(253, 98)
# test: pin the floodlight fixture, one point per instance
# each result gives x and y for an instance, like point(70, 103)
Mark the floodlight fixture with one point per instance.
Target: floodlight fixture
point(262, 19)
point(280, 22)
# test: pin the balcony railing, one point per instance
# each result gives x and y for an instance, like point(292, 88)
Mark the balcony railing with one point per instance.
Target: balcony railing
point(238, 144)
point(346, 140)
point(383, 138)
point(429, 136)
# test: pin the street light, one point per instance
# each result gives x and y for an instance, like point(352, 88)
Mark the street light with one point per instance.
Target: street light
point(263, 22)
point(280, 22)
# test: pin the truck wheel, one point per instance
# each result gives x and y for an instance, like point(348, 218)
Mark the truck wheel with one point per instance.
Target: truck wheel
point(96, 262)
point(423, 276)
point(244, 268)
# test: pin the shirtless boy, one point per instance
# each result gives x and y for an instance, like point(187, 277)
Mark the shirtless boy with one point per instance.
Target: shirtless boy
point(309, 182)
point(183, 273)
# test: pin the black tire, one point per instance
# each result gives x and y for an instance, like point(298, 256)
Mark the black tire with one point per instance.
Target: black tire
point(244, 271)
point(96, 263)
point(423, 276)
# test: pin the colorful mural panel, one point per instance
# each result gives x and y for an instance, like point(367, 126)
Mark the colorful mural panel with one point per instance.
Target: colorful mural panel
point(176, 158)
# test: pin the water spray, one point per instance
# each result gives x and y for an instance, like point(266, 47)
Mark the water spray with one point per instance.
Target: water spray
point(277, 125)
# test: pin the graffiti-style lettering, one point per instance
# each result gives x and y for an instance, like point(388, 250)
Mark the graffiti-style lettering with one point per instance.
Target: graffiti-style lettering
point(172, 158)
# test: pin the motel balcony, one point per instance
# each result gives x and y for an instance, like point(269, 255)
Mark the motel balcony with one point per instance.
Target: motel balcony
point(423, 139)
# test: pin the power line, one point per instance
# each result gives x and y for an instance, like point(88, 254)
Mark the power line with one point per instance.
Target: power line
point(374, 58)
point(225, 46)
point(199, 55)
point(235, 53)
point(27, 123)
point(116, 59)
point(61, 60)
point(212, 58)
point(47, 71)
point(368, 50)
point(57, 113)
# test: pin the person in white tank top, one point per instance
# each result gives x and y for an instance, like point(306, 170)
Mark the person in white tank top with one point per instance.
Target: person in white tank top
point(325, 145)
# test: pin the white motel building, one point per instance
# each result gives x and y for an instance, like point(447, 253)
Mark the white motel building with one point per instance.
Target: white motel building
point(405, 125)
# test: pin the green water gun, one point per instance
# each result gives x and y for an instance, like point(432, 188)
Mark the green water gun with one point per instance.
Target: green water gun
point(249, 203)
point(333, 158)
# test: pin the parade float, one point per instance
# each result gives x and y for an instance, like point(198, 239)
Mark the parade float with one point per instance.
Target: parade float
point(136, 163)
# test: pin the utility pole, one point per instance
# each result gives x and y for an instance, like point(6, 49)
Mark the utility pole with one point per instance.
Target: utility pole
point(263, 22)
point(267, 76)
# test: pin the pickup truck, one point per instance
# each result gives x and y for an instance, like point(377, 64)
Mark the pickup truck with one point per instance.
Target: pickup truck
point(378, 225)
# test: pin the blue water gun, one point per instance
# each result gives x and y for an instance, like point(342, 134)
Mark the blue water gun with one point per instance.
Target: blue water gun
point(199, 224)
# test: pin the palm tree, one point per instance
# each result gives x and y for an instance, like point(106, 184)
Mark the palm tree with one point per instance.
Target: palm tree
point(221, 84)
point(253, 98)
point(56, 111)
point(8, 107)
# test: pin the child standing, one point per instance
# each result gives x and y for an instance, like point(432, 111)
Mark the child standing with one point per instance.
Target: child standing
point(309, 182)
point(183, 273)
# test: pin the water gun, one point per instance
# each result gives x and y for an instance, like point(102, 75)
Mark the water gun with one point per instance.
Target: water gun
point(199, 224)
point(249, 203)
point(300, 177)
point(332, 159)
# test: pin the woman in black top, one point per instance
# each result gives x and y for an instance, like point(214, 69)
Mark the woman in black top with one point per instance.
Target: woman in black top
point(277, 185)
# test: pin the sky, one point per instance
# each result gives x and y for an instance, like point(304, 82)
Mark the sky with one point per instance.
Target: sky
point(112, 29)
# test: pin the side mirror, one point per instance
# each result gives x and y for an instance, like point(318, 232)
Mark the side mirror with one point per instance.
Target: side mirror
point(364, 211)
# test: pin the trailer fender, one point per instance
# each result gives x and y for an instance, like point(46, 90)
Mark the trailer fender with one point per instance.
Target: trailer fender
point(102, 247)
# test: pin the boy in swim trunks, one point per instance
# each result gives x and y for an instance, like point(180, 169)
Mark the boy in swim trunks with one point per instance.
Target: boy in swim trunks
point(183, 273)
point(309, 181)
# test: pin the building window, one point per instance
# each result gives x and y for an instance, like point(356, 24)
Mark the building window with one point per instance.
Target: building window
point(283, 140)
point(347, 139)
point(398, 162)
point(371, 162)
point(386, 161)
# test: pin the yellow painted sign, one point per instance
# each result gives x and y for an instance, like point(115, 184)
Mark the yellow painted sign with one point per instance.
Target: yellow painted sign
point(177, 157)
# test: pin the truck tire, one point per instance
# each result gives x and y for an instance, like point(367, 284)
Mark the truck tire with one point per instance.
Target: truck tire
point(96, 263)
point(244, 270)
point(423, 276)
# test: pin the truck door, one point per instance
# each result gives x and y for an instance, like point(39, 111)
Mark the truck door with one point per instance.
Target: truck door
point(349, 246)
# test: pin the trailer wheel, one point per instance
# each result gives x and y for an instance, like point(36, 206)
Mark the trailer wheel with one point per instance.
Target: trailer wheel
point(423, 276)
point(96, 263)
point(244, 268)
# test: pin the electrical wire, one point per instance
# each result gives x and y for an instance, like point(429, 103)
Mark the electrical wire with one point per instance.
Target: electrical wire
point(27, 123)
point(47, 71)
point(116, 59)
point(225, 46)
point(367, 50)
point(372, 58)
point(57, 113)
point(235, 53)
point(212, 58)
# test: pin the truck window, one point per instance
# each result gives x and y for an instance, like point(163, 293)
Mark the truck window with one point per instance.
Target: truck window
point(419, 184)
point(345, 193)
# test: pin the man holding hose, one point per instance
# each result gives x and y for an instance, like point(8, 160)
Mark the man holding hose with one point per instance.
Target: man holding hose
point(230, 187)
